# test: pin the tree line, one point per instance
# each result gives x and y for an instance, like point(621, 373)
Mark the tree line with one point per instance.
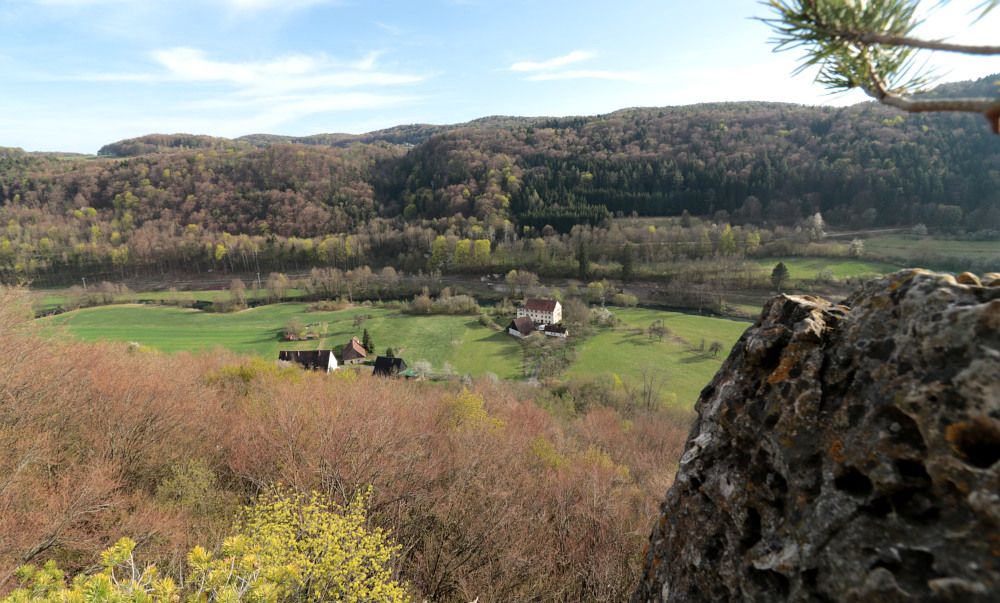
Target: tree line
point(193, 204)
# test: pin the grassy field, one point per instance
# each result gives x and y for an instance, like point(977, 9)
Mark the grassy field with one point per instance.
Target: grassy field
point(807, 268)
point(47, 299)
point(907, 247)
point(459, 340)
point(627, 351)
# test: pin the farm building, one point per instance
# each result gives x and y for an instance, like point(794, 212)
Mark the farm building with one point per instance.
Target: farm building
point(541, 311)
point(312, 360)
point(521, 327)
point(557, 330)
point(388, 367)
point(353, 352)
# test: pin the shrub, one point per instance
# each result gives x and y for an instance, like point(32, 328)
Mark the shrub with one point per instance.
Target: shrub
point(624, 299)
point(294, 329)
point(288, 547)
point(445, 304)
point(825, 276)
point(328, 305)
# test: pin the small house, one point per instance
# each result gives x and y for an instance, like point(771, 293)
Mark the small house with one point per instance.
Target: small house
point(541, 311)
point(558, 330)
point(388, 367)
point(353, 352)
point(311, 360)
point(521, 327)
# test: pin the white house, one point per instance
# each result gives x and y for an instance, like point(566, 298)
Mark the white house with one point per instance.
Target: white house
point(313, 360)
point(541, 311)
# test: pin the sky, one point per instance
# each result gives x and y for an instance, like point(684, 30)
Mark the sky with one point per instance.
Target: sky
point(78, 74)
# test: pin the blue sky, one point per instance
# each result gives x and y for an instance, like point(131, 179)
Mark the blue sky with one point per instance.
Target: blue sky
point(77, 74)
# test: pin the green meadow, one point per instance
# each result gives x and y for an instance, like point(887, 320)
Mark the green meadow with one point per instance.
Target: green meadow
point(628, 352)
point(48, 299)
point(459, 340)
point(806, 268)
point(916, 249)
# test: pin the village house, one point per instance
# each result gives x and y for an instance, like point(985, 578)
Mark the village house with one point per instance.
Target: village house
point(353, 352)
point(541, 311)
point(558, 330)
point(388, 367)
point(312, 360)
point(521, 327)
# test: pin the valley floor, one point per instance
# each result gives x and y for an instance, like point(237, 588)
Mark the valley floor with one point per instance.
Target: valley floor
point(680, 362)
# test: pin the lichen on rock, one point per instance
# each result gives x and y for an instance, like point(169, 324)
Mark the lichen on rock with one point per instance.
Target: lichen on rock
point(844, 452)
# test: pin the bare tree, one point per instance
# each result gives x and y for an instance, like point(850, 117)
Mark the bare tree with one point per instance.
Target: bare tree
point(238, 292)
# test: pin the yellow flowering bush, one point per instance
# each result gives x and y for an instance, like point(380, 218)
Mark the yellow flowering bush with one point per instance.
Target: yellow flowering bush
point(288, 547)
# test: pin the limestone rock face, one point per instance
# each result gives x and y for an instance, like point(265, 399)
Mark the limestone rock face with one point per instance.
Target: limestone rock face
point(844, 452)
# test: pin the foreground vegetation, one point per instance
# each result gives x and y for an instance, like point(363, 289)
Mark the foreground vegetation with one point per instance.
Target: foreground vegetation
point(487, 493)
point(287, 547)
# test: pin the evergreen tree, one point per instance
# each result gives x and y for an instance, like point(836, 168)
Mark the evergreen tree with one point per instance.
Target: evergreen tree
point(628, 263)
point(583, 260)
point(366, 342)
point(389, 353)
point(779, 276)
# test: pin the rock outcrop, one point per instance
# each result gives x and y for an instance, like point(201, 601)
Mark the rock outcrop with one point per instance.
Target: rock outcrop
point(844, 452)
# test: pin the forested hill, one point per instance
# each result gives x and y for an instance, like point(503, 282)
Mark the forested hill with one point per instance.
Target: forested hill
point(747, 162)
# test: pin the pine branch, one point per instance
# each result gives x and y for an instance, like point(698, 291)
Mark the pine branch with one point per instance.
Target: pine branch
point(877, 89)
point(872, 37)
point(869, 46)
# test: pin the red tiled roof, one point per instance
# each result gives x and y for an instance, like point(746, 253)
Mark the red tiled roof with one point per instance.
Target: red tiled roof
point(353, 349)
point(540, 305)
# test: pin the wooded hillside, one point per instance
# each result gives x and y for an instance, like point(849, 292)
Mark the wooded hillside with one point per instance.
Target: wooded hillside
point(762, 164)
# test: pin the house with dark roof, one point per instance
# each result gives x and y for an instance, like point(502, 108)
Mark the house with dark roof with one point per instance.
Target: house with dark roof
point(311, 360)
point(388, 367)
point(541, 311)
point(521, 327)
point(353, 352)
point(558, 330)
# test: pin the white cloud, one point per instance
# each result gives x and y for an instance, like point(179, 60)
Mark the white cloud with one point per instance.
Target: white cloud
point(283, 74)
point(390, 28)
point(192, 64)
point(238, 97)
point(554, 63)
point(552, 69)
point(83, 3)
point(255, 5)
point(304, 103)
point(235, 4)
point(591, 74)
